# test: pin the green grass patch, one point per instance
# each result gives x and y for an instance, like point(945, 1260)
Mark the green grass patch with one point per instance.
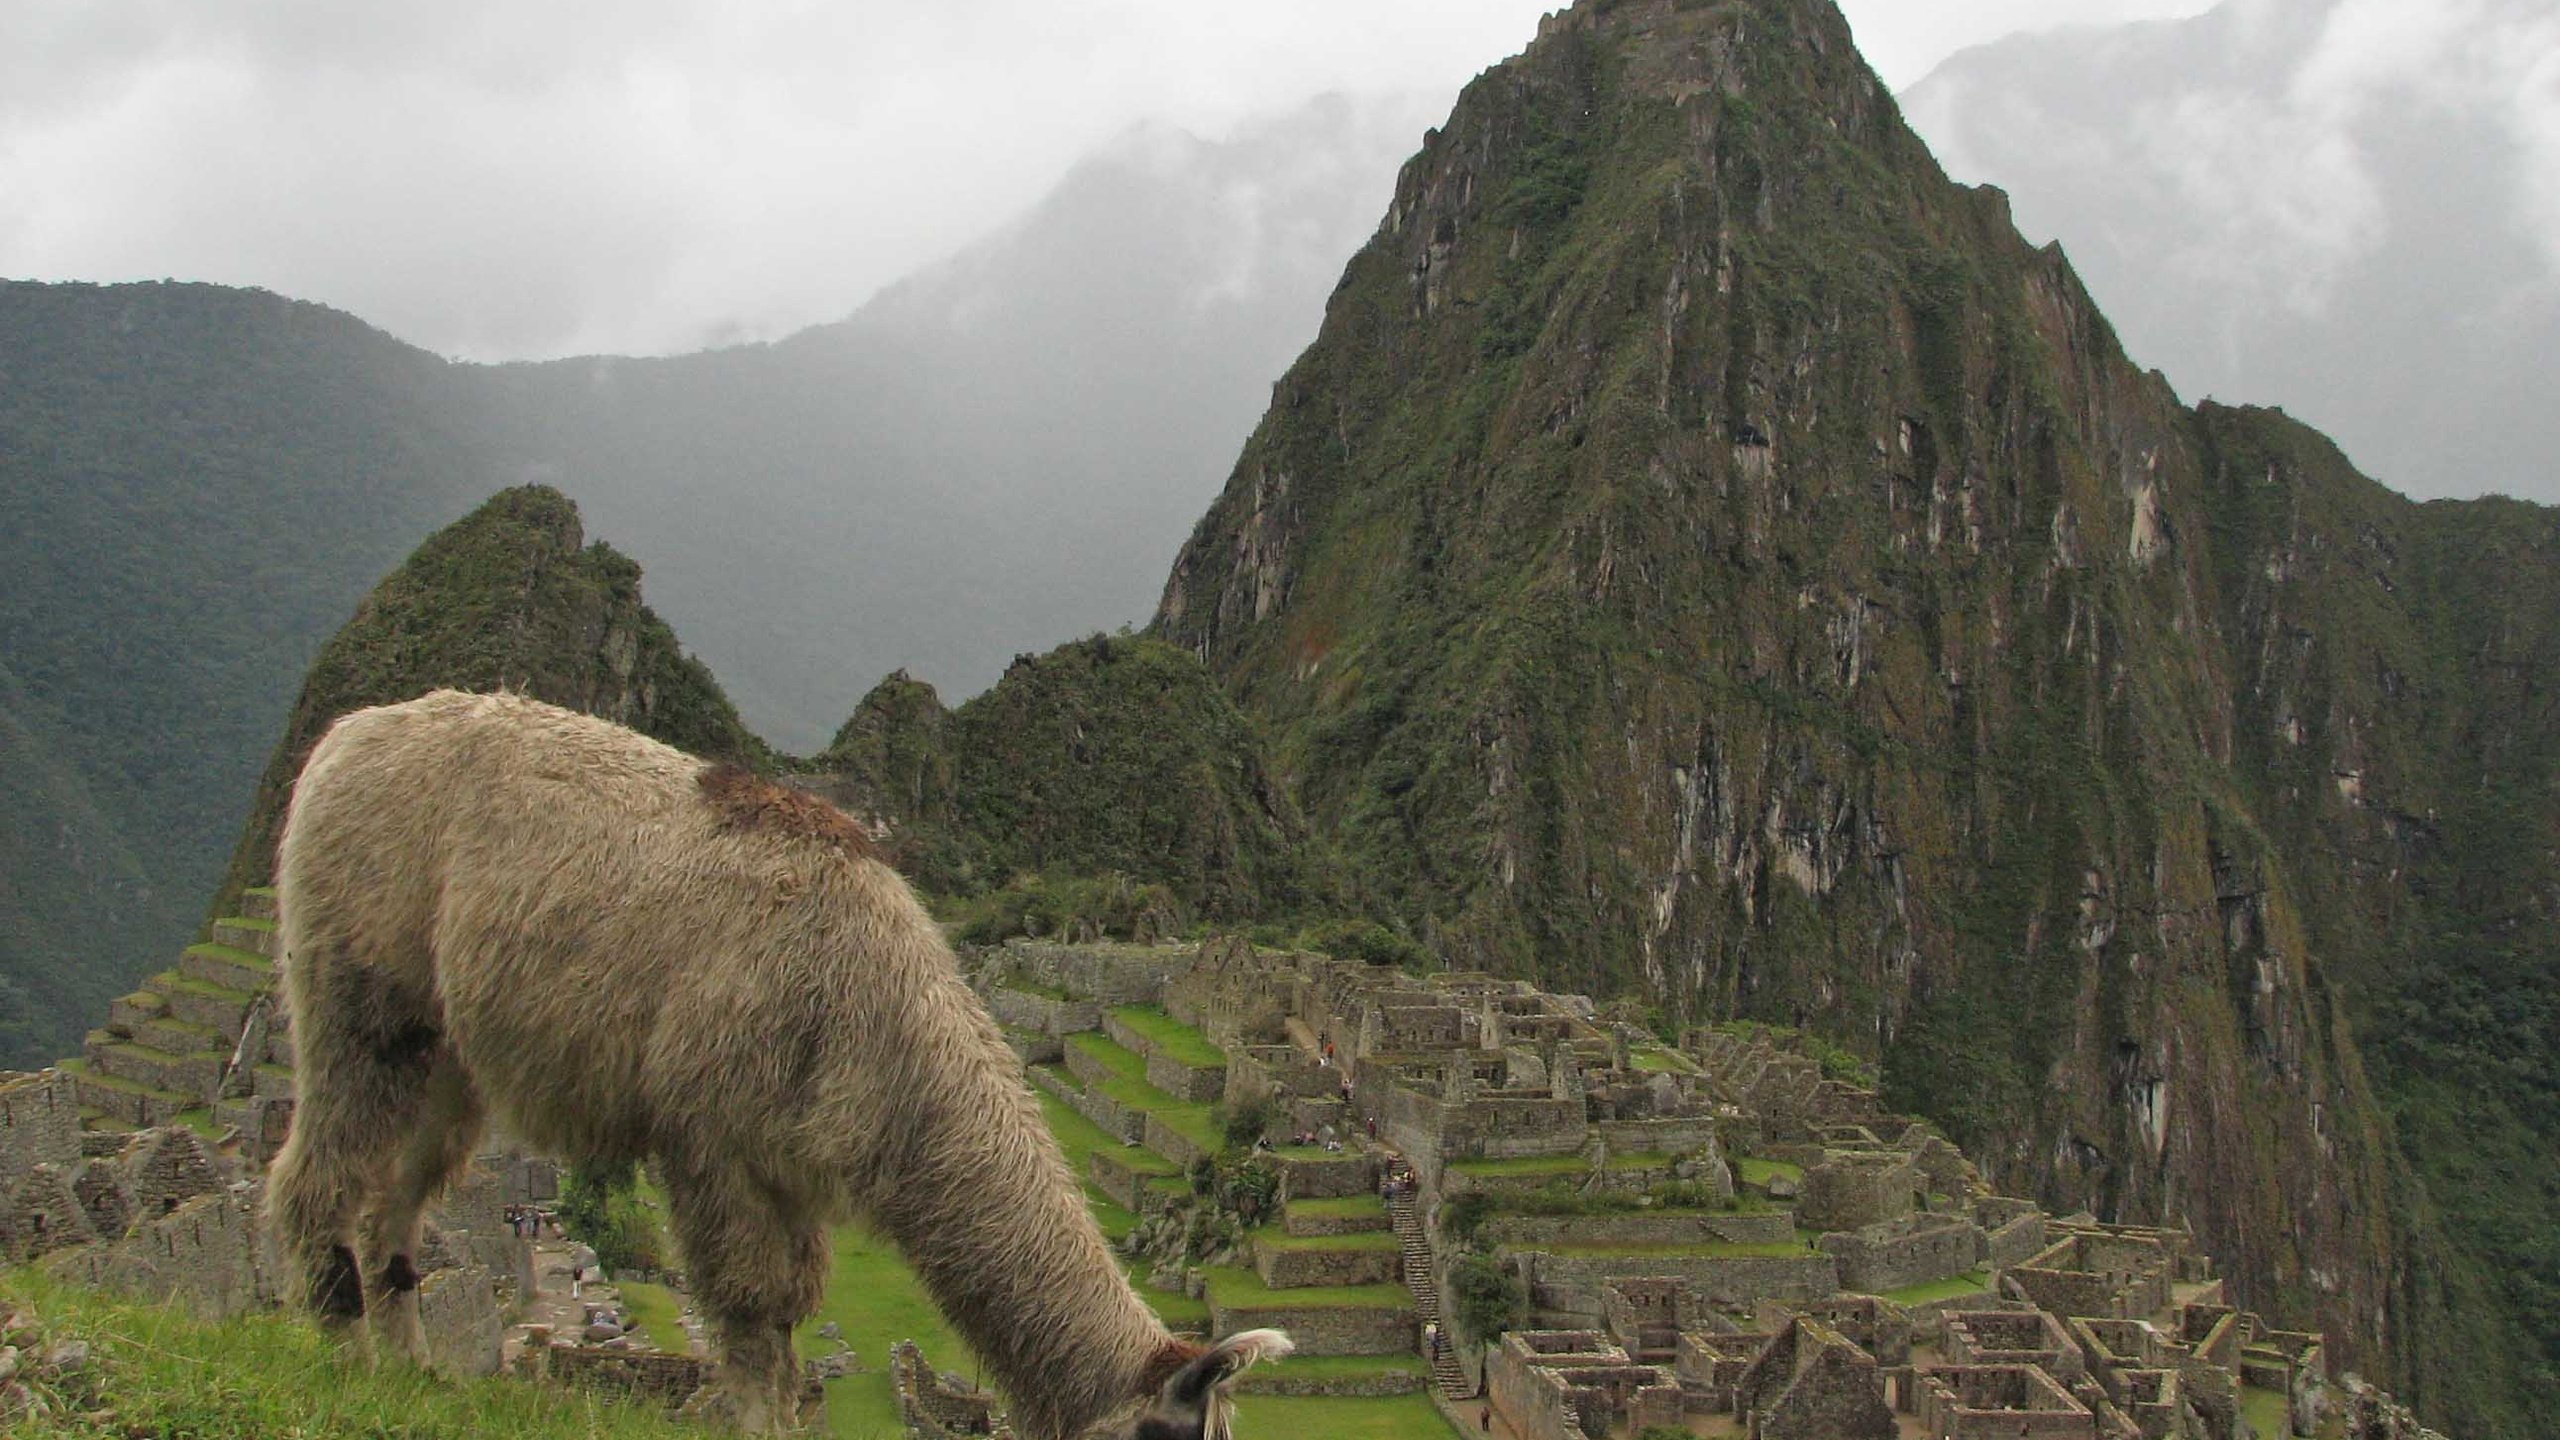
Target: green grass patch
point(1559, 1164)
point(1366, 1240)
point(1662, 1062)
point(1688, 1249)
point(1339, 1208)
point(1307, 1417)
point(878, 1301)
point(1177, 1040)
point(2267, 1412)
point(1525, 1165)
point(233, 955)
point(170, 981)
point(200, 1120)
point(1952, 1288)
point(164, 1373)
point(652, 1310)
point(118, 1083)
point(1124, 1062)
point(1238, 1288)
point(1761, 1172)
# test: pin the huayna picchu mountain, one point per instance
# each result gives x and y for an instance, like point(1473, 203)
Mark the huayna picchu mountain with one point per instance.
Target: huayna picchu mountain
point(1708, 553)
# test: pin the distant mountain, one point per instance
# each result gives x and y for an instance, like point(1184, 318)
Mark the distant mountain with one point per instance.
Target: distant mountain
point(1708, 556)
point(999, 452)
point(2351, 210)
point(198, 484)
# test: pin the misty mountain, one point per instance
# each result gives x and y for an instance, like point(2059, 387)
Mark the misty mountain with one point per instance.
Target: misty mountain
point(199, 483)
point(2342, 207)
point(996, 454)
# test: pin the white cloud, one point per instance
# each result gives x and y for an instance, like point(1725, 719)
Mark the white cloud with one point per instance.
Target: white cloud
point(534, 177)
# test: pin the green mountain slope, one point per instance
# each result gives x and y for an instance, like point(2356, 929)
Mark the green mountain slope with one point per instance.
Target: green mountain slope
point(1106, 755)
point(510, 596)
point(1708, 553)
point(194, 485)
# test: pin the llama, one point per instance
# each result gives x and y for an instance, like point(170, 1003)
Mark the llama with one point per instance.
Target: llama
point(492, 904)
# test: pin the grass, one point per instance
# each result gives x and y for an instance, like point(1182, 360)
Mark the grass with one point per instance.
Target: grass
point(1175, 1039)
point(1662, 1062)
point(1688, 1249)
point(1366, 1240)
point(878, 1302)
point(652, 1310)
point(1242, 1289)
point(1124, 1062)
point(1761, 1172)
point(1559, 1164)
point(1306, 1417)
point(233, 954)
point(1954, 1287)
point(188, 984)
point(1339, 1207)
point(2267, 1412)
point(168, 1374)
point(200, 1120)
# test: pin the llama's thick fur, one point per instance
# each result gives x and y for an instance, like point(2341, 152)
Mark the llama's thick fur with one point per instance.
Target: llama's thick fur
point(492, 904)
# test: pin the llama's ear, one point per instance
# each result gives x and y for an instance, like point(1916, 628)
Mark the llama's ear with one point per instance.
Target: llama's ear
point(1191, 1384)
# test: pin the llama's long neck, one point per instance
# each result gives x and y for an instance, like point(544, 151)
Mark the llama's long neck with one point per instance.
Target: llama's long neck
point(973, 1189)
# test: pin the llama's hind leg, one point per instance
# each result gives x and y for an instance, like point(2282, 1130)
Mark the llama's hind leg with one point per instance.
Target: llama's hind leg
point(757, 1268)
point(435, 1150)
point(360, 1076)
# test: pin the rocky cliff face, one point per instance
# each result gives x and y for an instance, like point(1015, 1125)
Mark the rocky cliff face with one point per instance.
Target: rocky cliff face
point(1708, 553)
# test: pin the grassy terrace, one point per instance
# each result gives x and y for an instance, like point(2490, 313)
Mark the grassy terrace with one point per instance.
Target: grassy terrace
point(1239, 1288)
point(1128, 1085)
point(1273, 1238)
point(1686, 1250)
point(1761, 1172)
point(2267, 1412)
point(1124, 1062)
point(1660, 1060)
point(1558, 1164)
point(1339, 1208)
point(1171, 1036)
point(188, 984)
point(1953, 1287)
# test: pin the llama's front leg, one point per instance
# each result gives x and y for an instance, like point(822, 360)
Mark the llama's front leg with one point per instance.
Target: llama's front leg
point(431, 1154)
point(757, 1268)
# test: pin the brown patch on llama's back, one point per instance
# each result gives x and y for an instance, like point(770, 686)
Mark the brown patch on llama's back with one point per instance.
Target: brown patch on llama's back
point(748, 801)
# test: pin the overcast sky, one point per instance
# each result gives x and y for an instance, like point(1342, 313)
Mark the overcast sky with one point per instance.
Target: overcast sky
point(526, 178)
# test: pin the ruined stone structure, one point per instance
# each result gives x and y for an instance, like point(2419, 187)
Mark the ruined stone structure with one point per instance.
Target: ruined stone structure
point(1714, 1235)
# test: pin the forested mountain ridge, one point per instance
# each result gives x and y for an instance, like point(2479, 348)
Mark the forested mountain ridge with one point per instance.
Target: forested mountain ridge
point(194, 483)
point(1708, 553)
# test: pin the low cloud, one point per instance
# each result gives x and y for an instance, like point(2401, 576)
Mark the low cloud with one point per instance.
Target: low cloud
point(523, 178)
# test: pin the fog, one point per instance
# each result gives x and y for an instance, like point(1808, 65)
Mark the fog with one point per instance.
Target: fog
point(511, 179)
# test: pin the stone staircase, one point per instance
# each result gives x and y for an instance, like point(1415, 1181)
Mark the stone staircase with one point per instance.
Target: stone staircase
point(1446, 1377)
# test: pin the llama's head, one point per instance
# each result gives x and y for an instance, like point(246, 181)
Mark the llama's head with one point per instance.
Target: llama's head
point(1194, 1403)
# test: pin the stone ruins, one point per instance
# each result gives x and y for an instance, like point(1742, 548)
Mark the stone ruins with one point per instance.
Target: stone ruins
point(1712, 1236)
